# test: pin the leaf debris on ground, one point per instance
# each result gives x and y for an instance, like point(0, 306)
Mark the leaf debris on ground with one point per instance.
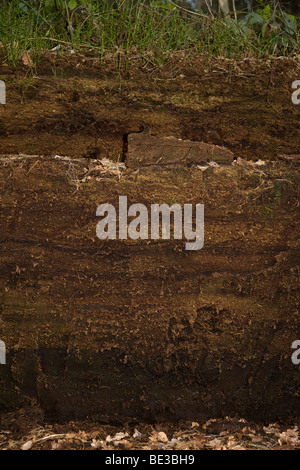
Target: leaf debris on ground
point(25, 430)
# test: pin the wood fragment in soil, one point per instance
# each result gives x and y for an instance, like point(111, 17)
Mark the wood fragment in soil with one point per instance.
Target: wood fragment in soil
point(145, 149)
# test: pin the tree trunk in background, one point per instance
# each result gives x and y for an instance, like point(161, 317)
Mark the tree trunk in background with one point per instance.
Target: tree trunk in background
point(224, 6)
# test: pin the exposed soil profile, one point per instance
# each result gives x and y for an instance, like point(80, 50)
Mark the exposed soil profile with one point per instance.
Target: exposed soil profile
point(120, 330)
point(75, 106)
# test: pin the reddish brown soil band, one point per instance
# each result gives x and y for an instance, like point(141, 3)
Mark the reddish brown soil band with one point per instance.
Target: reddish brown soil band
point(132, 330)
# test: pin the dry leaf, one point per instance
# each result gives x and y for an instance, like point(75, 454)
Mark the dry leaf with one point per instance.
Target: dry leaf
point(97, 444)
point(27, 445)
point(118, 437)
point(26, 59)
point(159, 437)
point(57, 445)
point(136, 434)
point(162, 437)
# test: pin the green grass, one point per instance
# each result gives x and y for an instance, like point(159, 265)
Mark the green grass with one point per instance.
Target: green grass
point(148, 30)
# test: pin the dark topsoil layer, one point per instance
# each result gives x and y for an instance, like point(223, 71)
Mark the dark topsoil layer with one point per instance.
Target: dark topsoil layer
point(77, 107)
point(138, 330)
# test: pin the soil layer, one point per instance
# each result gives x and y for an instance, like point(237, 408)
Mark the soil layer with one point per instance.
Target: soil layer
point(75, 106)
point(119, 329)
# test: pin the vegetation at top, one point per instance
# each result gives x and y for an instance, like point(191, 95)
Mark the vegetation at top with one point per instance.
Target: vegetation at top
point(152, 28)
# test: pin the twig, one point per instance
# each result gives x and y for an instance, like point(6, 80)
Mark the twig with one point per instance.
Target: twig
point(64, 42)
point(73, 175)
point(209, 8)
point(234, 10)
point(31, 168)
point(52, 436)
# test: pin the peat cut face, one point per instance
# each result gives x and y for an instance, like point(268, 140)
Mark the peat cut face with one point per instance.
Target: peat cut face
point(144, 330)
point(145, 149)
